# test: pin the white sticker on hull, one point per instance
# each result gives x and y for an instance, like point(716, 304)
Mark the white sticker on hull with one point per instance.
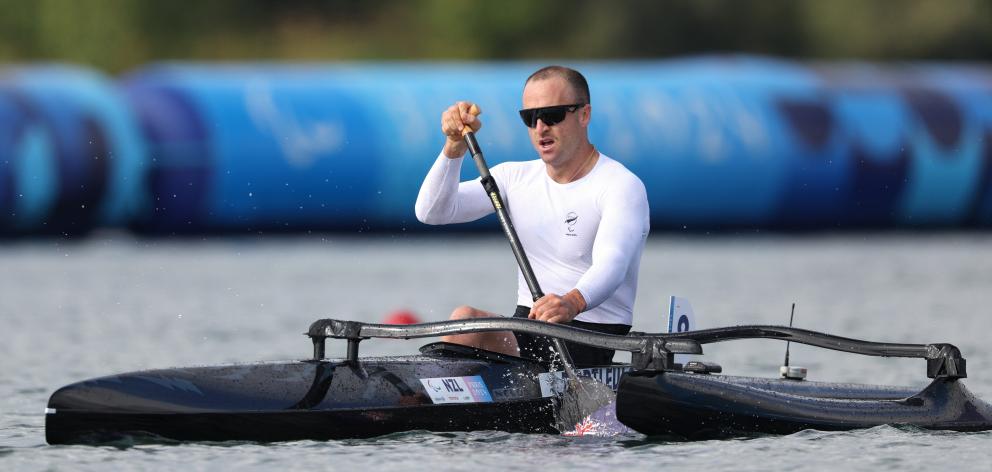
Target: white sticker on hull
point(457, 389)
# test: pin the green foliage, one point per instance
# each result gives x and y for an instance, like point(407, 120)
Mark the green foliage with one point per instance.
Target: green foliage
point(120, 34)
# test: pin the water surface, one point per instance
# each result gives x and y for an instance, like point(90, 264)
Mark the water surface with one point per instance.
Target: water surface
point(111, 303)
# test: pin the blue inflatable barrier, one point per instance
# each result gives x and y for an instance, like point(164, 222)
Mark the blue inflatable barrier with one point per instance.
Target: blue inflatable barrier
point(72, 155)
point(720, 142)
point(266, 147)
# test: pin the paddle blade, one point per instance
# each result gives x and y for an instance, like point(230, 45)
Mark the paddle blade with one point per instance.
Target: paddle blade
point(581, 399)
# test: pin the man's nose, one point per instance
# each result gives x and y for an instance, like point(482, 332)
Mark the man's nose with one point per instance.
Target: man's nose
point(540, 125)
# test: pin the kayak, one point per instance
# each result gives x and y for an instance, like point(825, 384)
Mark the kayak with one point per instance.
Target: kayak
point(448, 387)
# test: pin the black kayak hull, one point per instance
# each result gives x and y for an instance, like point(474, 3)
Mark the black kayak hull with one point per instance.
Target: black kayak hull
point(702, 406)
point(260, 426)
point(306, 400)
point(338, 399)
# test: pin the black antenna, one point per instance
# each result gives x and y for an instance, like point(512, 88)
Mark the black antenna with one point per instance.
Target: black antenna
point(787, 343)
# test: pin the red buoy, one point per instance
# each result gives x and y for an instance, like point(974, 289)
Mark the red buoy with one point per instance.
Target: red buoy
point(401, 317)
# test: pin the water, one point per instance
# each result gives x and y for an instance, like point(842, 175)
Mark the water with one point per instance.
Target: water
point(112, 304)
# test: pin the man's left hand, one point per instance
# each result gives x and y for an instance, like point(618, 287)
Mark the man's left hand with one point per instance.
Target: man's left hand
point(558, 309)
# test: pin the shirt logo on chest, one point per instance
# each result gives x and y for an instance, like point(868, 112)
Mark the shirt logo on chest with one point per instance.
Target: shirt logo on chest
point(570, 219)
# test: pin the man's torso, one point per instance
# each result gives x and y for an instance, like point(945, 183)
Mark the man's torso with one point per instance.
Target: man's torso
point(557, 225)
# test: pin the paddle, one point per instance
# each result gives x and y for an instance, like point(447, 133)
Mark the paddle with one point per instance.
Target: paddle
point(583, 396)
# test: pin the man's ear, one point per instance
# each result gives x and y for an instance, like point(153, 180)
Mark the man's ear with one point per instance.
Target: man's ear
point(585, 115)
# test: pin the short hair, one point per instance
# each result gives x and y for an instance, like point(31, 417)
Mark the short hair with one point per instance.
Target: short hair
point(572, 77)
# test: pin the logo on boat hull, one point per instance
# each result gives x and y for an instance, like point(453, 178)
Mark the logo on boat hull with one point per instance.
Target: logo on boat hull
point(457, 389)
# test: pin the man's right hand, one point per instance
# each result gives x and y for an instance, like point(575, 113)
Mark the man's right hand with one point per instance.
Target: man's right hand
point(453, 120)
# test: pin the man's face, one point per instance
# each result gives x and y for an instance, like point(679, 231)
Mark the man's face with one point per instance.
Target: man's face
point(556, 144)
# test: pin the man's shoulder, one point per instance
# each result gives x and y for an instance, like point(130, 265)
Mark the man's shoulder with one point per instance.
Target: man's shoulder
point(615, 170)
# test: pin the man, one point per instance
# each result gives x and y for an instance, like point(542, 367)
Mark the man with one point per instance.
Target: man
point(581, 217)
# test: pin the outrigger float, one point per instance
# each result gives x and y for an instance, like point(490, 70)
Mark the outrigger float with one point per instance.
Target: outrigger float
point(449, 387)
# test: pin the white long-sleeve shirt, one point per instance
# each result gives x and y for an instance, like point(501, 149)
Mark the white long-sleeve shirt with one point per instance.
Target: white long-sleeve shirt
point(587, 234)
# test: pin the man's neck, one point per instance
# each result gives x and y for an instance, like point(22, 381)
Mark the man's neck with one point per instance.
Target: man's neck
point(577, 167)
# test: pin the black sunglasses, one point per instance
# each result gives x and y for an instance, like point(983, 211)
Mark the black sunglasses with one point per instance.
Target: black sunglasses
point(549, 115)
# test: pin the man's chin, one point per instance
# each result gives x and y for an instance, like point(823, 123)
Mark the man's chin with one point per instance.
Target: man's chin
point(548, 157)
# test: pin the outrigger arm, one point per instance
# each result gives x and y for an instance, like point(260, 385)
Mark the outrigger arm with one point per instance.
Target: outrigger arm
point(649, 351)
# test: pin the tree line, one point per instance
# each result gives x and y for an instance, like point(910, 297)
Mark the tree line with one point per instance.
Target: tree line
point(118, 35)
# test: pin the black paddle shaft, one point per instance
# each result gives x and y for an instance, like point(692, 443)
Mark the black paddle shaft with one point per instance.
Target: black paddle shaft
point(492, 189)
